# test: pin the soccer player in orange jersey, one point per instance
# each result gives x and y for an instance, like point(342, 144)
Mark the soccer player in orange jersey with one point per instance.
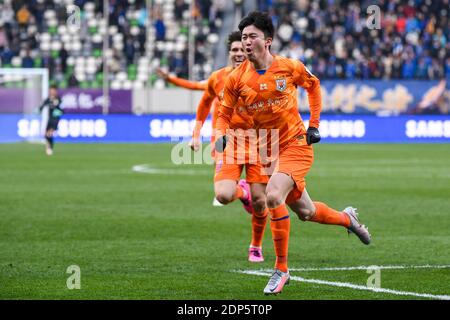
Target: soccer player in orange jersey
point(267, 85)
point(227, 184)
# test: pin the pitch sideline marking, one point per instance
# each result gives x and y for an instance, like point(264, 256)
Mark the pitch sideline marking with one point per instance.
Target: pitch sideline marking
point(427, 266)
point(147, 168)
point(355, 286)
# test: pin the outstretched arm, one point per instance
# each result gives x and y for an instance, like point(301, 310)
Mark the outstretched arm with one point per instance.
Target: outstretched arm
point(203, 111)
point(42, 105)
point(183, 83)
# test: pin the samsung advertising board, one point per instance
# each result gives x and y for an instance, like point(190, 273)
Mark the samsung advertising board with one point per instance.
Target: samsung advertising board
point(173, 128)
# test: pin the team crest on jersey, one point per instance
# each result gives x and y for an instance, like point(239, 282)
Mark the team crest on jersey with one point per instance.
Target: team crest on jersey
point(281, 84)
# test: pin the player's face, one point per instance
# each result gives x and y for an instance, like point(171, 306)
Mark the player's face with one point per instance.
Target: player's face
point(236, 54)
point(254, 42)
point(53, 93)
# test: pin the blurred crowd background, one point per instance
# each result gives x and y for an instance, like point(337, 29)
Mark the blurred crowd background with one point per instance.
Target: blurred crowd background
point(330, 36)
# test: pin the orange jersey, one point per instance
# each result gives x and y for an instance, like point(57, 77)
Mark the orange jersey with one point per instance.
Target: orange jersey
point(271, 99)
point(239, 119)
point(183, 83)
point(214, 95)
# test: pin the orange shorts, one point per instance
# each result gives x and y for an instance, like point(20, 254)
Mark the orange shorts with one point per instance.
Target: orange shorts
point(295, 161)
point(230, 171)
point(229, 165)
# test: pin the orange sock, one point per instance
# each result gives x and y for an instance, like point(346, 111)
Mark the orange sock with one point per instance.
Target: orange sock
point(280, 225)
point(327, 215)
point(259, 220)
point(239, 194)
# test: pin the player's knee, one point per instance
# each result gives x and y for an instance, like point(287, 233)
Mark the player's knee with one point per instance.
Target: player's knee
point(305, 214)
point(274, 199)
point(259, 203)
point(224, 197)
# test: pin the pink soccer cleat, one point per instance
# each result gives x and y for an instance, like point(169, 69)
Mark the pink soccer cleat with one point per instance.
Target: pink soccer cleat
point(247, 203)
point(255, 254)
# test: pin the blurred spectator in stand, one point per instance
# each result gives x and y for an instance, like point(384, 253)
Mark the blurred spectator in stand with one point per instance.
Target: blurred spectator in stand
point(6, 56)
point(3, 39)
point(6, 16)
point(23, 17)
point(27, 61)
point(160, 28)
point(129, 50)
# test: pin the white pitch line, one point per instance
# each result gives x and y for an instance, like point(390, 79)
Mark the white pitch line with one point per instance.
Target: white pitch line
point(146, 168)
point(399, 267)
point(356, 287)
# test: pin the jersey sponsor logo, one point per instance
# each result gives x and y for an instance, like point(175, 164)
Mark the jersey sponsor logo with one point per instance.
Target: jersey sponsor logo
point(281, 84)
point(263, 105)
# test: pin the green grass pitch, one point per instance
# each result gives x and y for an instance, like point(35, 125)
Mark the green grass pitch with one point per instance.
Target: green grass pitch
point(157, 236)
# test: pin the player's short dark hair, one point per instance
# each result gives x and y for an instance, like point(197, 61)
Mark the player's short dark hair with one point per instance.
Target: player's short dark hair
point(233, 37)
point(260, 20)
point(54, 86)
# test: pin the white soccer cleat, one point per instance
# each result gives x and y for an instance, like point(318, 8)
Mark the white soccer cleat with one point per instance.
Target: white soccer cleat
point(49, 151)
point(216, 203)
point(356, 227)
point(277, 282)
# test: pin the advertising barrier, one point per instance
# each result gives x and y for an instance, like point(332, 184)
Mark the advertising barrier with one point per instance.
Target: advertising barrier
point(368, 97)
point(91, 101)
point(173, 128)
point(76, 101)
point(383, 98)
